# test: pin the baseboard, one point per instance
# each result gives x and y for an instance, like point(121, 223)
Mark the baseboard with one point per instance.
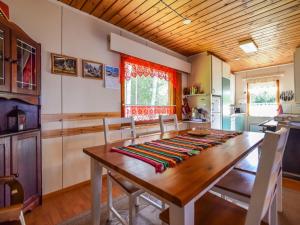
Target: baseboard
point(291, 184)
point(70, 188)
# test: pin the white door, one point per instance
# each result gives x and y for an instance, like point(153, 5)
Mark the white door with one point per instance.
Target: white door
point(216, 121)
point(216, 76)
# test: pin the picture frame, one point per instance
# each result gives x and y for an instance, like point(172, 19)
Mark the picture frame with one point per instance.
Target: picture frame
point(92, 69)
point(64, 65)
point(112, 77)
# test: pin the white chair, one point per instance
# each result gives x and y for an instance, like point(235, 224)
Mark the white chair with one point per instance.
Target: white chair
point(168, 118)
point(262, 209)
point(131, 190)
point(238, 184)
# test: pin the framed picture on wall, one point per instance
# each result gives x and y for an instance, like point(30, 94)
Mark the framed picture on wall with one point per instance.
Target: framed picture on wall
point(112, 77)
point(65, 65)
point(92, 70)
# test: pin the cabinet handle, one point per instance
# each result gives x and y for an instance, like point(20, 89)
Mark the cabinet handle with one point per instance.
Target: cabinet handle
point(16, 174)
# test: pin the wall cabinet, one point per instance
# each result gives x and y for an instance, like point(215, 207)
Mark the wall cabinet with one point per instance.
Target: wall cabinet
point(20, 61)
point(207, 71)
point(216, 75)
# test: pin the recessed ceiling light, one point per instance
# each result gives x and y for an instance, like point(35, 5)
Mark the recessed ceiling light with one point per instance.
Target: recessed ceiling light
point(186, 21)
point(248, 46)
point(237, 59)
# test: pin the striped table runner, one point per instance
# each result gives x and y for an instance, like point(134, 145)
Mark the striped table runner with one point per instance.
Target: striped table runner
point(166, 153)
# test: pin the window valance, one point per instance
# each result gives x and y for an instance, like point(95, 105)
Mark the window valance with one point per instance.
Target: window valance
point(132, 67)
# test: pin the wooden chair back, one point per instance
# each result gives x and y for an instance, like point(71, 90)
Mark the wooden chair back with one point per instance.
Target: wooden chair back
point(14, 211)
point(164, 118)
point(118, 121)
point(269, 168)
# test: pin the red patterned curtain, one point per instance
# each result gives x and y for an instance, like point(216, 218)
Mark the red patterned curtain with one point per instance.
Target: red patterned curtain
point(132, 67)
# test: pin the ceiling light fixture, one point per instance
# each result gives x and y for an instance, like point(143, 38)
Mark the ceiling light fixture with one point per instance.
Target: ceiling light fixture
point(248, 46)
point(185, 20)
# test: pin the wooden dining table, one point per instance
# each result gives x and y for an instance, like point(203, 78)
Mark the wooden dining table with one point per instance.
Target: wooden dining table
point(179, 186)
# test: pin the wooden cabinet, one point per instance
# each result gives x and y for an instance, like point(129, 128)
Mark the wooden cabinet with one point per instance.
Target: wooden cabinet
point(26, 165)
point(226, 69)
point(216, 75)
point(20, 78)
point(20, 64)
point(5, 69)
point(4, 168)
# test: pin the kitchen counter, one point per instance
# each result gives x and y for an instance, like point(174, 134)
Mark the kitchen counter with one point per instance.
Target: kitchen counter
point(195, 121)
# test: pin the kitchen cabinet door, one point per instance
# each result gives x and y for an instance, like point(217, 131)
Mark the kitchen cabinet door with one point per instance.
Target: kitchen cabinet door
point(226, 70)
point(4, 58)
point(4, 168)
point(26, 67)
point(26, 165)
point(216, 76)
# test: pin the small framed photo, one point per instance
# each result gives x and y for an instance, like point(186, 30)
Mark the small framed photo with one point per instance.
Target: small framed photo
point(112, 77)
point(65, 65)
point(92, 70)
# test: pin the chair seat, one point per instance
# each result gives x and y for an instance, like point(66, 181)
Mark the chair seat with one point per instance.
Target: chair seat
point(126, 185)
point(238, 182)
point(213, 210)
point(250, 163)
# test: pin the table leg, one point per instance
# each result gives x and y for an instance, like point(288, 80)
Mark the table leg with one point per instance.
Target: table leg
point(182, 215)
point(96, 183)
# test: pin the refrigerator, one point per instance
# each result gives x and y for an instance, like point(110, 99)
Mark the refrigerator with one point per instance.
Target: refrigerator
point(216, 112)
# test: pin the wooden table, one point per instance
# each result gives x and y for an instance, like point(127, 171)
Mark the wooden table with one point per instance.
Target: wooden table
point(180, 186)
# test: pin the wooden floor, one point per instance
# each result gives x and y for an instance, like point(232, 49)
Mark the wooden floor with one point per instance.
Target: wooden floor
point(59, 207)
point(62, 206)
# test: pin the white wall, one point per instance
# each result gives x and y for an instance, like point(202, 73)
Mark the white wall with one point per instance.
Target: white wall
point(62, 29)
point(286, 82)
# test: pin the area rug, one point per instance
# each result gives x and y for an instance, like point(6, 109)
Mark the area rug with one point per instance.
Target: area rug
point(146, 214)
point(149, 215)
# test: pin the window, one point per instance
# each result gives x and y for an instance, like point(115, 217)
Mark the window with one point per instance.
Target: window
point(147, 89)
point(263, 98)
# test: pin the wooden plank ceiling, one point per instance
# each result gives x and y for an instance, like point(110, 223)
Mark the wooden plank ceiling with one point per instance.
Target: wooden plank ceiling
point(217, 26)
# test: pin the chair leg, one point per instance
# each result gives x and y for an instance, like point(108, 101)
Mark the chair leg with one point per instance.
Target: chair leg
point(22, 220)
point(279, 193)
point(109, 198)
point(273, 212)
point(132, 201)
